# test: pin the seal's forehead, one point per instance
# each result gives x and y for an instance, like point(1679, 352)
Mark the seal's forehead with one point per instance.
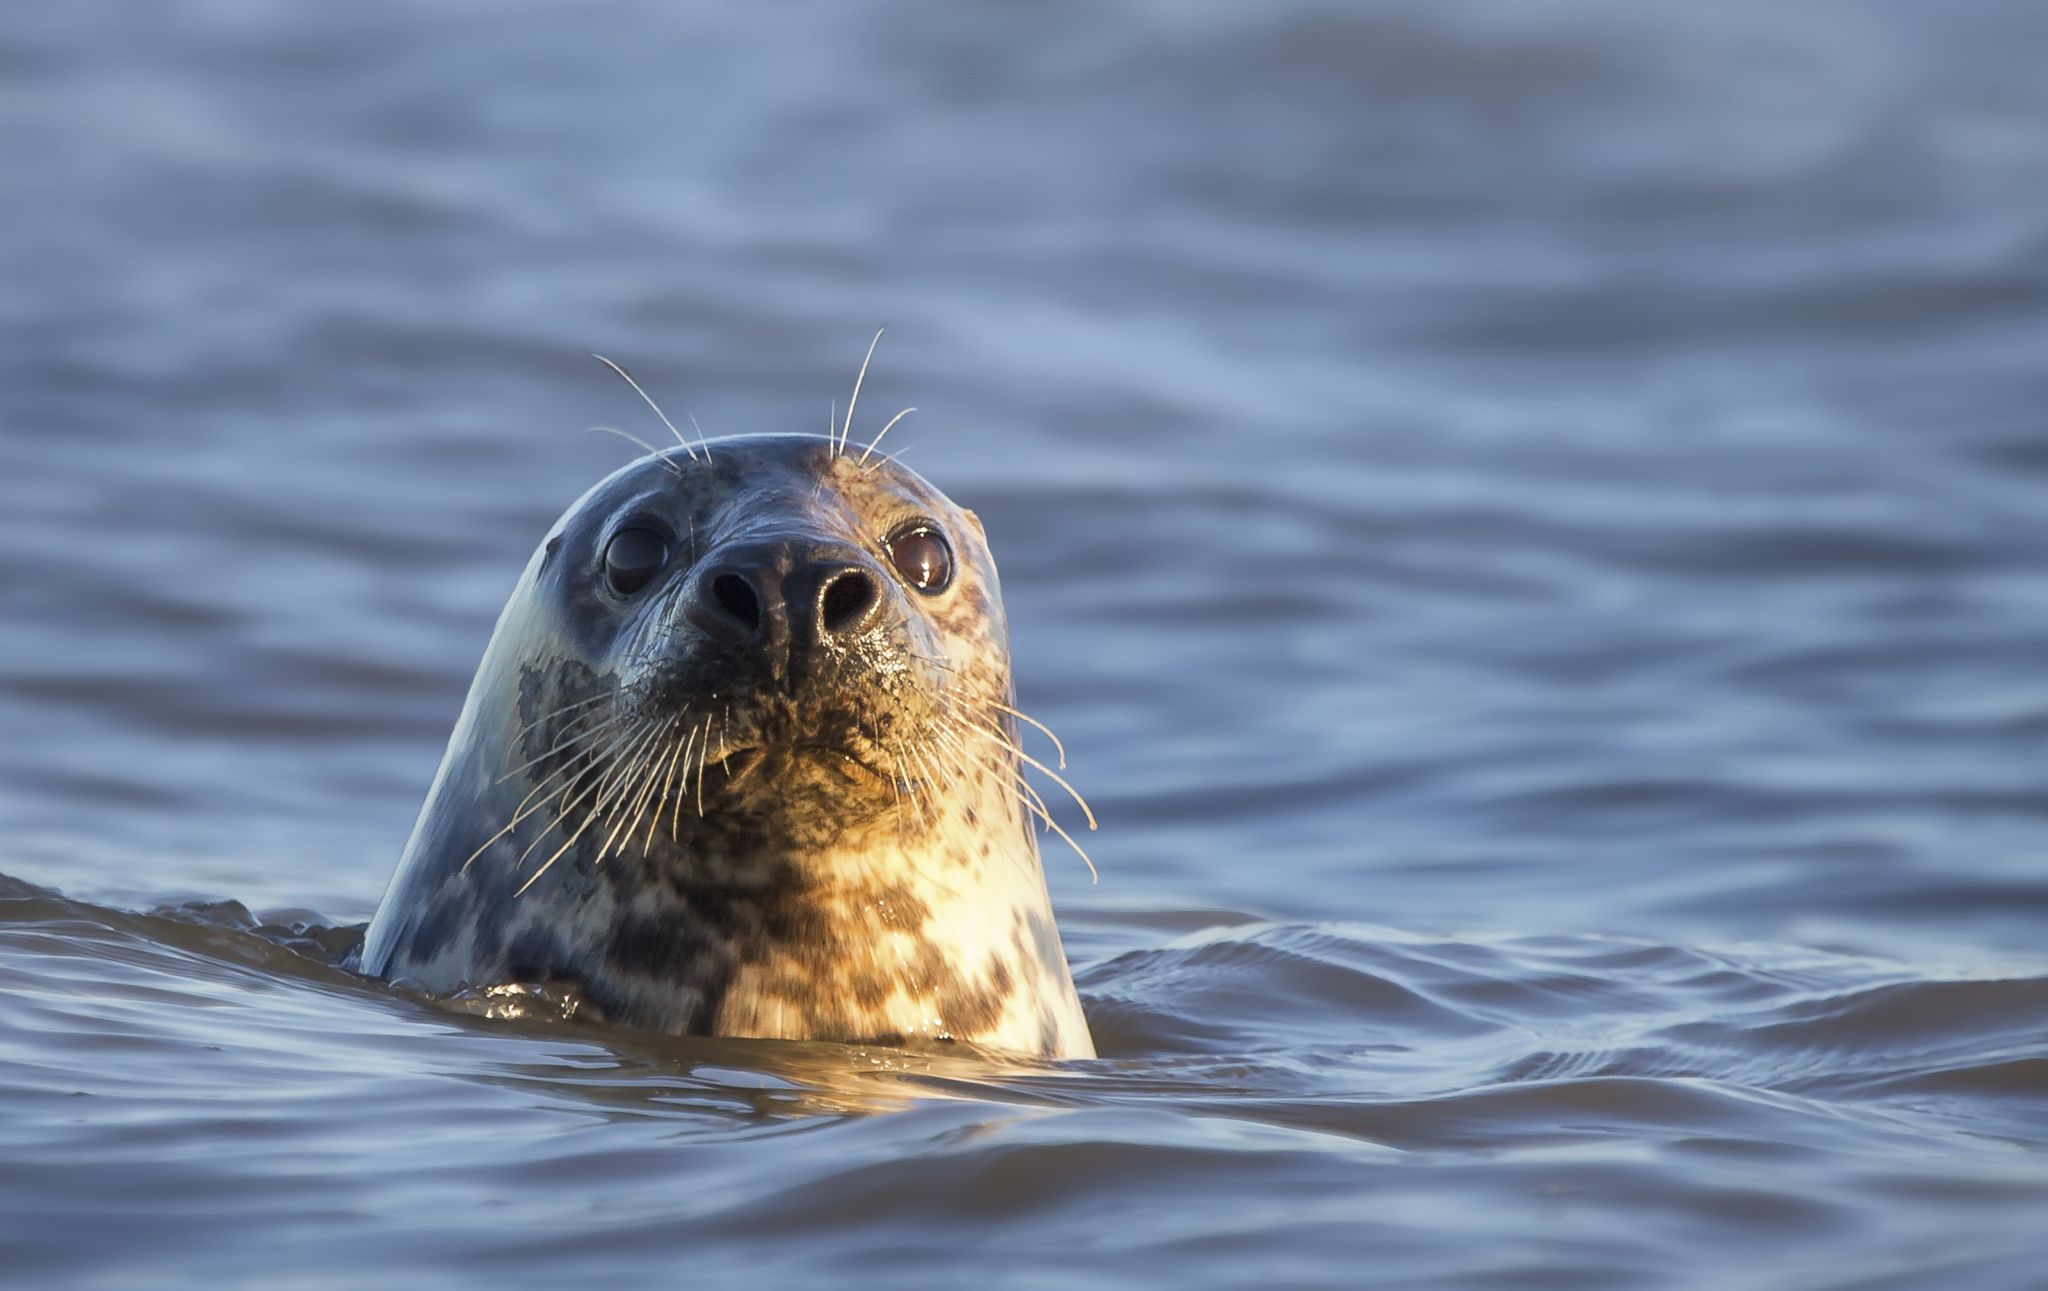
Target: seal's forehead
point(805, 460)
point(712, 473)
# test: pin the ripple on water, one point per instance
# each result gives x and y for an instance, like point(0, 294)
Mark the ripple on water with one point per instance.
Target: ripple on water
point(1704, 1091)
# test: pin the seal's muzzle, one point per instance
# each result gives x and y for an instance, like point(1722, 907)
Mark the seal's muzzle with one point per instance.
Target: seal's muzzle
point(783, 604)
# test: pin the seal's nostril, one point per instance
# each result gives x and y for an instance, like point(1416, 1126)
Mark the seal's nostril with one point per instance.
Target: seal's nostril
point(845, 601)
point(735, 595)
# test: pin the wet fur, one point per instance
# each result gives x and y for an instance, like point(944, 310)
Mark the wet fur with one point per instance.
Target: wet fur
point(894, 895)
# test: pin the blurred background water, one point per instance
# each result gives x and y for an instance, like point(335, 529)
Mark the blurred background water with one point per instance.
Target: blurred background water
point(1529, 518)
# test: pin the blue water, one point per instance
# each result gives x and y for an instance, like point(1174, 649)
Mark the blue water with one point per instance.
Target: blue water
point(1529, 519)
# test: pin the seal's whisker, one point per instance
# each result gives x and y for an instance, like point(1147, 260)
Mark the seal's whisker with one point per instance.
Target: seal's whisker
point(576, 727)
point(1043, 729)
point(668, 777)
point(878, 436)
point(628, 774)
point(520, 734)
point(611, 790)
point(590, 782)
point(887, 459)
point(661, 776)
point(909, 781)
point(592, 759)
point(570, 773)
point(636, 783)
point(631, 822)
point(996, 759)
point(589, 819)
point(1022, 791)
point(896, 792)
point(1094, 875)
point(704, 762)
point(573, 768)
point(522, 811)
point(549, 863)
point(649, 401)
point(579, 734)
point(1041, 767)
point(620, 819)
point(682, 798)
point(922, 750)
point(703, 440)
point(567, 773)
point(918, 788)
point(675, 811)
point(964, 757)
point(933, 660)
point(703, 767)
point(951, 762)
point(673, 469)
point(847, 433)
point(1027, 790)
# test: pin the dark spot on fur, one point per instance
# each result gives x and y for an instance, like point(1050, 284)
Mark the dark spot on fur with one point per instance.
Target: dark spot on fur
point(969, 1010)
point(487, 934)
point(536, 955)
point(435, 926)
point(870, 991)
point(651, 947)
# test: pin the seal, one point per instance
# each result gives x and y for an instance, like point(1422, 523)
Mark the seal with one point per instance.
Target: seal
point(742, 759)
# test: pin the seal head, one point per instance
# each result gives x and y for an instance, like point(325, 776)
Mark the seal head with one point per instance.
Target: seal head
point(741, 760)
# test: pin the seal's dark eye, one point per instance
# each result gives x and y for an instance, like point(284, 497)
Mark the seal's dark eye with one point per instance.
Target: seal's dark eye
point(921, 555)
point(632, 558)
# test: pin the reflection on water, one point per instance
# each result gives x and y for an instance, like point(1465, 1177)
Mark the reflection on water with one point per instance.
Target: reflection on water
point(1527, 518)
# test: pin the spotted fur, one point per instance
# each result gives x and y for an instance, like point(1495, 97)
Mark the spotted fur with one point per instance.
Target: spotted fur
point(863, 869)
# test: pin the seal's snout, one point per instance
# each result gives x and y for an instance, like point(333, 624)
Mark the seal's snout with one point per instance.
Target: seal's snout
point(779, 602)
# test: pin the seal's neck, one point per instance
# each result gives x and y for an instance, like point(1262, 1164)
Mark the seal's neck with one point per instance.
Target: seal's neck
point(947, 935)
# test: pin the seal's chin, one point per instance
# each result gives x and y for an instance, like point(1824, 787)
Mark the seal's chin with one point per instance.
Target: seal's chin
point(745, 763)
point(745, 766)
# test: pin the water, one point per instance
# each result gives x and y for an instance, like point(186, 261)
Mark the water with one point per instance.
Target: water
point(1527, 517)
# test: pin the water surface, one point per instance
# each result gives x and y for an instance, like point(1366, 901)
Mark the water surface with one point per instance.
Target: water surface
point(1527, 517)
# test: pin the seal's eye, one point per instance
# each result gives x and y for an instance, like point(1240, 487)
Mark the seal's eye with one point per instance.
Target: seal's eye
point(632, 558)
point(920, 554)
